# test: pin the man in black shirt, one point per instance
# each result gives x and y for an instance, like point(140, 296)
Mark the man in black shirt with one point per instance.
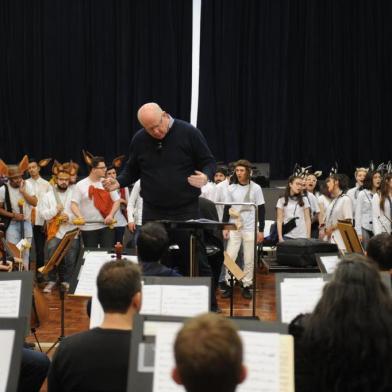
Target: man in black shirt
point(97, 360)
point(173, 161)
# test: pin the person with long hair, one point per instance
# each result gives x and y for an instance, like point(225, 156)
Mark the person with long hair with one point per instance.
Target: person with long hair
point(345, 345)
point(340, 208)
point(363, 210)
point(293, 211)
point(382, 207)
point(310, 185)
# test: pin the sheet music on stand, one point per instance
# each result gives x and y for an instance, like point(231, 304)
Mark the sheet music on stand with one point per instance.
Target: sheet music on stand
point(268, 355)
point(11, 343)
point(327, 262)
point(83, 282)
point(167, 296)
point(16, 290)
point(297, 293)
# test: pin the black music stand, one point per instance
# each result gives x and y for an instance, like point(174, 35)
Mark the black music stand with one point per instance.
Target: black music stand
point(54, 262)
point(196, 228)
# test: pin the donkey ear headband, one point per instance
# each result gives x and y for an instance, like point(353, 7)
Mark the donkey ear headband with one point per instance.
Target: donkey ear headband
point(21, 167)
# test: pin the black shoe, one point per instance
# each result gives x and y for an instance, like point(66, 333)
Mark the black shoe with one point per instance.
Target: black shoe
point(227, 293)
point(223, 286)
point(246, 293)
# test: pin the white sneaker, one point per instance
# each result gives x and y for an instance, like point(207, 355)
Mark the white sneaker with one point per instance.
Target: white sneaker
point(48, 288)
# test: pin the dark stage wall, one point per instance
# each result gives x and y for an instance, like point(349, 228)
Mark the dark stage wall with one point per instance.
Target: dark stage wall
point(280, 80)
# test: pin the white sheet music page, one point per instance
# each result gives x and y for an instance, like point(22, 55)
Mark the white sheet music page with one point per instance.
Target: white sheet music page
point(10, 293)
point(7, 338)
point(262, 359)
point(89, 272)
point(184, 301)
point(299, 295)
point(164, 358)
point(151, 299)
point(330, 263)
point(97, 313)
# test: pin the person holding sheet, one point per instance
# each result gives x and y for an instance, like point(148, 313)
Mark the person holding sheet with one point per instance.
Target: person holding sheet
point(293, 212)
point(215, 363)
point(363, 211)
point(382, 207)
point(345, 344)
point(243, 190)
point(97, 360)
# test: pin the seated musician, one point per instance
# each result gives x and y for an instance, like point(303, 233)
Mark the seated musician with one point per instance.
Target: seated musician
point(345, 345)
point(152, 243)
point(34, 365)
point(97, 360)
point(214, 364)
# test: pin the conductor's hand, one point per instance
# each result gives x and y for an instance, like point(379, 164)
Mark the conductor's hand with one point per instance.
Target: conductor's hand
point(110, 184)
point(260, 237)
point(198, 179)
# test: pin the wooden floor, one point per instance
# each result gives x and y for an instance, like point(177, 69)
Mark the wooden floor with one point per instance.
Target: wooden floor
point(76, 318)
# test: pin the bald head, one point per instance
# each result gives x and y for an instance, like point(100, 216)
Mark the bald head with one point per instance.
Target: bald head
point(154, 120)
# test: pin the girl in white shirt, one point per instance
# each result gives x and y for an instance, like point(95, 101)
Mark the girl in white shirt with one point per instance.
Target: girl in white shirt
point(293, 206)
point(382, 207)
point(309, 194)
point(340, 208)
point(363, 209)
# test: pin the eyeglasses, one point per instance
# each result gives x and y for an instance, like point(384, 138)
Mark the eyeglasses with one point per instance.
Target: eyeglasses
point(101, 167)
point(156, 126)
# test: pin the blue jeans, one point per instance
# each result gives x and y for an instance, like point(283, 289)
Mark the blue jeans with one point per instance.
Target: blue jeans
point(13, 235)
point(68, 263)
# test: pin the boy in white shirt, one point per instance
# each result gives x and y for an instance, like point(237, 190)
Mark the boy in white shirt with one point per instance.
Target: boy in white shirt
point(94, 206)
point(244, 190)
point(55, 207)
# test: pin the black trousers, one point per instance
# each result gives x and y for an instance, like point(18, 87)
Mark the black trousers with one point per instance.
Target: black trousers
point(102, 237)
point(39, 244)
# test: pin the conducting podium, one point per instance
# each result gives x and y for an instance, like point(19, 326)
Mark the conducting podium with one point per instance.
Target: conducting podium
point(196, 227)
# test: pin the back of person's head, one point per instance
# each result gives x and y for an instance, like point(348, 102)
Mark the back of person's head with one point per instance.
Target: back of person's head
point(152, 242)
point(118, 284)
point(348, 337)
point(379, 249)
point(208, 355)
